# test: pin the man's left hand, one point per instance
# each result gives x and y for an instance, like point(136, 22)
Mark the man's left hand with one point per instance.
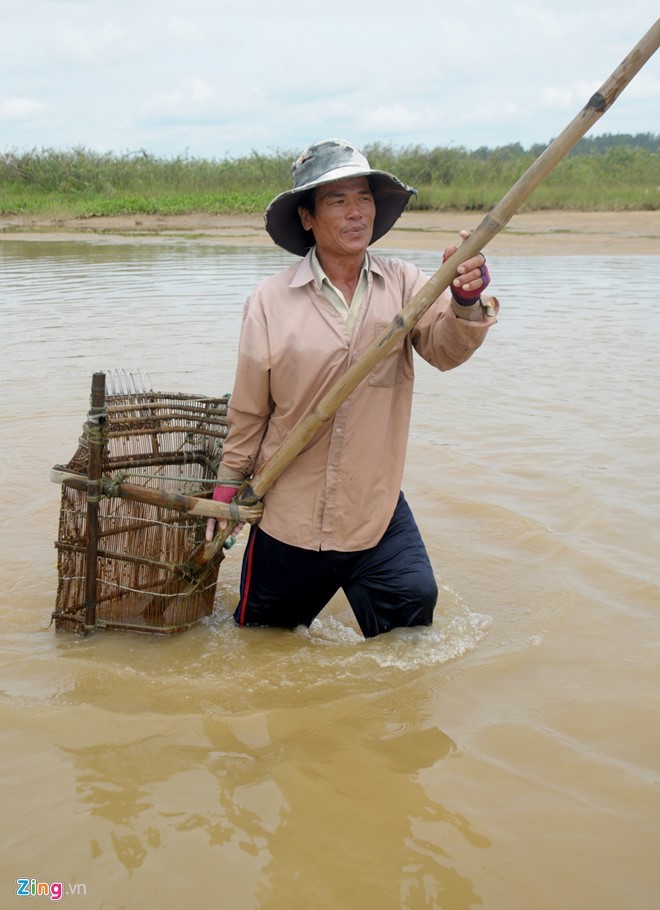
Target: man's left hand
point(473, 277)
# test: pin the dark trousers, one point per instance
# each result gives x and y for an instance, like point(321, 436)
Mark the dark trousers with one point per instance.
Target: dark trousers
point(388, 586)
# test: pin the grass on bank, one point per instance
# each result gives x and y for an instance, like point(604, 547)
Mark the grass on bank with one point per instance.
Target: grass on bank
point(599, 175)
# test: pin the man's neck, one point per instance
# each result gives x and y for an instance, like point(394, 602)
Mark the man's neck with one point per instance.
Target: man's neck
point(343, 271)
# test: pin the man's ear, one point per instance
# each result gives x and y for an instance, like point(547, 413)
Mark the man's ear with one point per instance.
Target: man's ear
point(305, 218)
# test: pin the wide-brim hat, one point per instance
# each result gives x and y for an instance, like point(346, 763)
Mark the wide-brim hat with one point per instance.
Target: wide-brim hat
point(325, 162)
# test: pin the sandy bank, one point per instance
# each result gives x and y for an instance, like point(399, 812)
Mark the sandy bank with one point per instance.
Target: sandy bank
point(533, 234)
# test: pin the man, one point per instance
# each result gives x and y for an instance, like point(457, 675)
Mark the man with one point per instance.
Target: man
point(336, 517)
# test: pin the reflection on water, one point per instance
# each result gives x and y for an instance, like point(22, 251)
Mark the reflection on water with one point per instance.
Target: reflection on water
point(506, 757)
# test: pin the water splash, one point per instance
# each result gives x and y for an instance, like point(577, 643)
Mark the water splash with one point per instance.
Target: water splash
point(332, 649)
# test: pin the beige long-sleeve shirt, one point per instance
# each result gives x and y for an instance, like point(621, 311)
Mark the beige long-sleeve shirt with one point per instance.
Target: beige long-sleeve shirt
point(341, 490)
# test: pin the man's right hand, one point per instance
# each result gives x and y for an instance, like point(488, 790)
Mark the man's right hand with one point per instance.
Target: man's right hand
point(222, 493)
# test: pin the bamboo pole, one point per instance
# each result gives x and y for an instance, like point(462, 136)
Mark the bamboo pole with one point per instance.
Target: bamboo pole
point(192, 505)
point(253, 490)
point(96, 420)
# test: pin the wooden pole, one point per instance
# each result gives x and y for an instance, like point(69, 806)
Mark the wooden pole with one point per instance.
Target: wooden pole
point(95, 437)
point(179, 502)
point(492, 224)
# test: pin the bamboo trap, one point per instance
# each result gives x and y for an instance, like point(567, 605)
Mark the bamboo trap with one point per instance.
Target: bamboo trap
point(141, 479)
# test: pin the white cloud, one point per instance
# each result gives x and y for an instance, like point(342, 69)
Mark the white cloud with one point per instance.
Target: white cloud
point(396, 118)
point(197, 96)
point(645, 86)
point(183, 30)
point(19, 108)
point(91, 46)
point(541, 20)
point(555, 97)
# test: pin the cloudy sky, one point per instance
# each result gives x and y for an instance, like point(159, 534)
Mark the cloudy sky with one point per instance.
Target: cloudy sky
point(217, 78)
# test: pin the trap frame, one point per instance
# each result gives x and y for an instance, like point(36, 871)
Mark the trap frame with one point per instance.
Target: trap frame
point(134, 506)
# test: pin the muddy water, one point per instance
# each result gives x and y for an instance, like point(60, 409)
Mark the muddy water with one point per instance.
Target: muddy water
point(507, 758)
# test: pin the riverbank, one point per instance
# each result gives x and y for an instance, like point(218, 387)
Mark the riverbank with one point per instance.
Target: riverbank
point(557, 233)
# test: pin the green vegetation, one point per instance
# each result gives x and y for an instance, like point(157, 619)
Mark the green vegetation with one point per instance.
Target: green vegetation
point(607, 173)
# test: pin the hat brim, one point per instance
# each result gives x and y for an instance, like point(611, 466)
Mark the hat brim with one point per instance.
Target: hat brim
point(283, 221)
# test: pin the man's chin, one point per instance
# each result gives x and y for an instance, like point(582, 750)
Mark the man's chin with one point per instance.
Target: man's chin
point(357, 240)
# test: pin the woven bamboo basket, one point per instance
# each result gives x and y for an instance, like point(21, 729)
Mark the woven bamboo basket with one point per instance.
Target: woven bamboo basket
point(122, 563)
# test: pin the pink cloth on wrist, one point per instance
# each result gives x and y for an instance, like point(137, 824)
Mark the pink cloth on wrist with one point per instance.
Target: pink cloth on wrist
point(224, 494)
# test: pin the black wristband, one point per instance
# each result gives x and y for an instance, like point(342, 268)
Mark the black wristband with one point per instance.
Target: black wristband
point(461, 301)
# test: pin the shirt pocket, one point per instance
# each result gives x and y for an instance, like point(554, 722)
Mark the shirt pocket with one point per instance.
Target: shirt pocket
point(389, 372)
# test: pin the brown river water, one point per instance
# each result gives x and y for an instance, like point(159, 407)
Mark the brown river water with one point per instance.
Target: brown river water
point(508, 758)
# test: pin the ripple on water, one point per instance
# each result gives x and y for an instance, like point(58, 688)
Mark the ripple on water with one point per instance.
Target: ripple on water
point(217, 667)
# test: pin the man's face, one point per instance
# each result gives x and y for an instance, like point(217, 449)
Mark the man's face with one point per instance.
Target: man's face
point(344, 218)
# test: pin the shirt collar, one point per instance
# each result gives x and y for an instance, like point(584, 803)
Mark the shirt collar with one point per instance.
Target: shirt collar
point(306, 270)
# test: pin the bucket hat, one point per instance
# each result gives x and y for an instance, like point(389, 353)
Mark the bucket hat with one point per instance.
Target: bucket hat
point(321, 163)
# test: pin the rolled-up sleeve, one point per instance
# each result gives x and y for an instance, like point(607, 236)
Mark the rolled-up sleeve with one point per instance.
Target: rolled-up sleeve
point(442, 338)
